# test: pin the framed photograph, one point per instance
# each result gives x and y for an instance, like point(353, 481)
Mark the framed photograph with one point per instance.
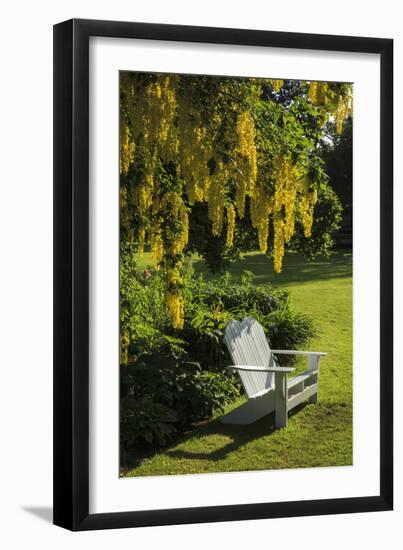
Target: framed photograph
point(223, 319)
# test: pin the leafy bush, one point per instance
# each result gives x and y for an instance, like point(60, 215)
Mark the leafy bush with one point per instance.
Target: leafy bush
point(144, 321)
point(217, 302)
point(287, 329)
point(243, 297)
point(161, 394)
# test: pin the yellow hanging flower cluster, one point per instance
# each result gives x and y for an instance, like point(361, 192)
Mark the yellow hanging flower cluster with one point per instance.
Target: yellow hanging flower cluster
point(260, 208)
point(173, 276)
point(246, 142)
point(156, 240)
point(173, 205)
point(318, 93)
point(277, 85)
point(171, 245)
point(247, 160)
point(339, 105)
point(184, 218)
point(194, 153)
point(307, 204)
point(127, 148)
point(231, 215)
point(144, 193)
point(313, 92)
point(173, 296)
point(278, 248)
point(344, 109)
point(174, 303)
point(286, 185)
point(289, 196)
point(159, 112)
point(216, 198)
point(157, 246)
point(151, 109)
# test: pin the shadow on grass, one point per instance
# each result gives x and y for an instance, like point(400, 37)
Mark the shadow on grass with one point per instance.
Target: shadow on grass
point(296, 269)
point(239, 435)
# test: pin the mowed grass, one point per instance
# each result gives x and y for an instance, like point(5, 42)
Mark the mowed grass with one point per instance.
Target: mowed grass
point(317, 435)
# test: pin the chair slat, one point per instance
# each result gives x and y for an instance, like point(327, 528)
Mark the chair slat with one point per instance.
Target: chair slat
point(247, 345)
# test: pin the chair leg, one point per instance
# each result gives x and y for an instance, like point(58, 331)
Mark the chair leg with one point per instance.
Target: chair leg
point(281, 400)
point(313, 398)
point(313, 364)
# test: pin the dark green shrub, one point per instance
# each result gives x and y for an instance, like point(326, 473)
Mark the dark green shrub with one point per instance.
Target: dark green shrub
point(245, 296)
point(217, 302)
point(144, 321)
point(287, 329)
point(162, 394)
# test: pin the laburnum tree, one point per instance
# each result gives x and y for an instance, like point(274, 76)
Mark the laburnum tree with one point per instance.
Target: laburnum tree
point(222, 154)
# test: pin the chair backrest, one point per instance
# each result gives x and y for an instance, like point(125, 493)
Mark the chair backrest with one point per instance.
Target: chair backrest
point(248, 345)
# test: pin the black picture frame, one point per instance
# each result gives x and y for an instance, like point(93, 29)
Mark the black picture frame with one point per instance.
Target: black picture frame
point(71, 274)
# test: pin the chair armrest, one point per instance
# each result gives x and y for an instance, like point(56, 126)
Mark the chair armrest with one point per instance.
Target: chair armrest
point(295, 352)
point(252, 368)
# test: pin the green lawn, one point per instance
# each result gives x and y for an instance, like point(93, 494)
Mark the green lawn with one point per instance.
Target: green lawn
point(317, 435)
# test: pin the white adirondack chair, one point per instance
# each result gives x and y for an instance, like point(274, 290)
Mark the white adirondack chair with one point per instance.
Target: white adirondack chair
point(266, 384)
